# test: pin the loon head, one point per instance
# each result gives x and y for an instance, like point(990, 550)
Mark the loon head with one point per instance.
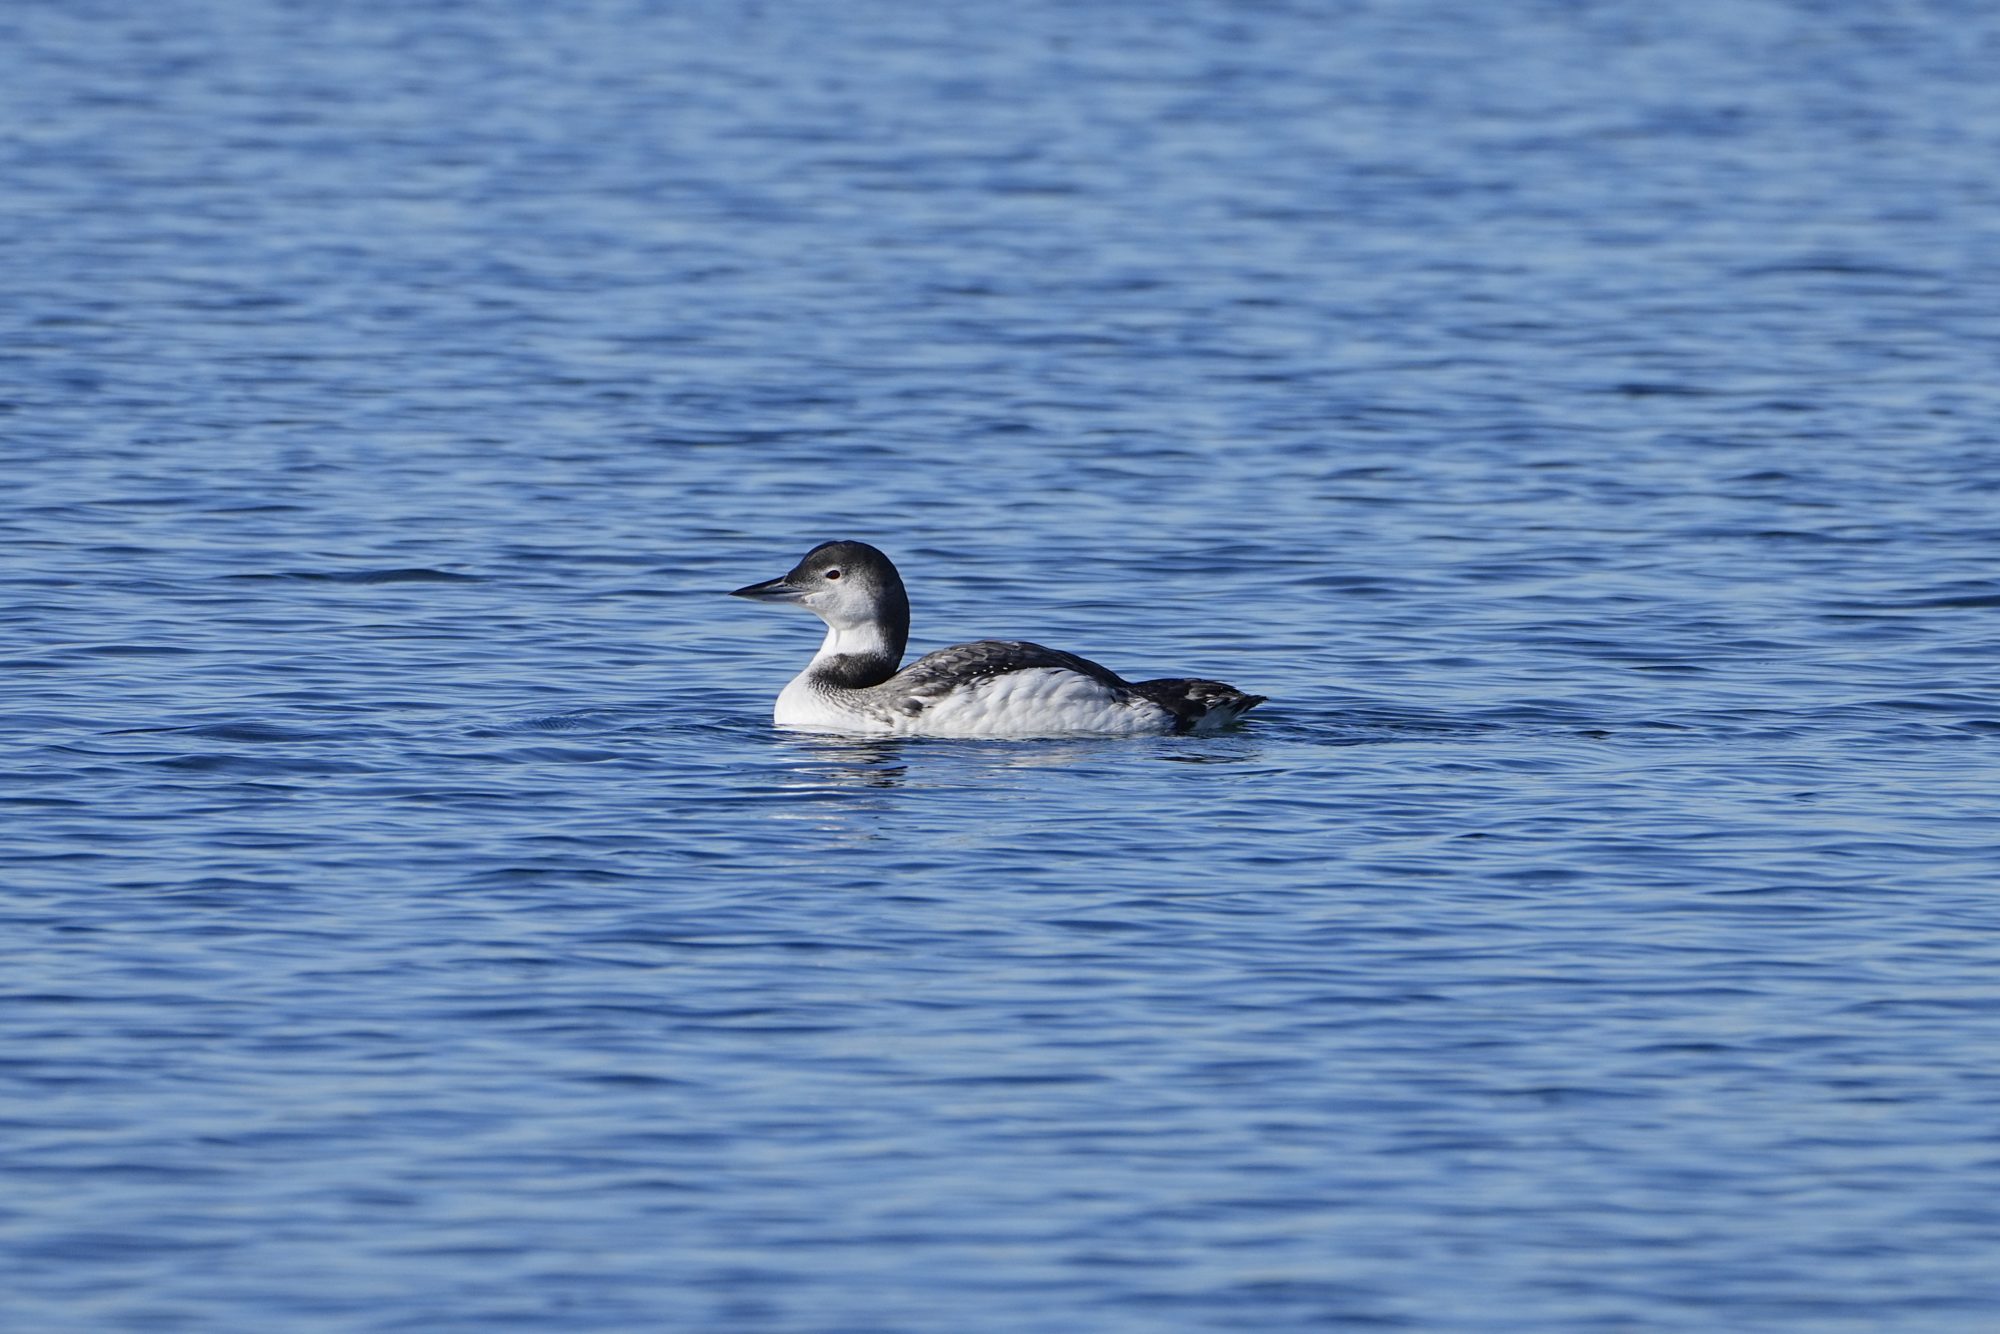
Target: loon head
point(853, 588)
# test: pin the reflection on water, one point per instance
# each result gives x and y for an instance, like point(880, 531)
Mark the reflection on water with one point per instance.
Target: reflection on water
point(856, 762)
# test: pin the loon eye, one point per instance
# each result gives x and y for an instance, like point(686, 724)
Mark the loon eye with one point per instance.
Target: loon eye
point(833, 574)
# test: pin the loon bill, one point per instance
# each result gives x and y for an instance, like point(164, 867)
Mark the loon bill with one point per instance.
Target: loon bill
point(990, 688)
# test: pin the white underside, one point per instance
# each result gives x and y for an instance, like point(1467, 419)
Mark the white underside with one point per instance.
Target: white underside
point(1041, 701)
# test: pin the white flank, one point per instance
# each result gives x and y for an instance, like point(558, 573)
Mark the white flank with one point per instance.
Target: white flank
point(1040, 701)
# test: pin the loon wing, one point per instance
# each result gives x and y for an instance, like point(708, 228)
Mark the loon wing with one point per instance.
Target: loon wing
point(1194, 705)
point(941, 672)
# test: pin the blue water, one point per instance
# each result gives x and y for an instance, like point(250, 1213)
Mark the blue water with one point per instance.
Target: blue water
point(1579, 419)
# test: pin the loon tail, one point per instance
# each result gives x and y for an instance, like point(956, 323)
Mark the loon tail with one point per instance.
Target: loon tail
point(1198, 706)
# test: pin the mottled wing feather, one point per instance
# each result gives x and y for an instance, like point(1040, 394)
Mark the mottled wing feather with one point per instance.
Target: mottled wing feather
point(937, 674)
point(930, 678)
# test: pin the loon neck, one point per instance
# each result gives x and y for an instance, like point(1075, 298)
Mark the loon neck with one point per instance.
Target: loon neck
point(858, 656)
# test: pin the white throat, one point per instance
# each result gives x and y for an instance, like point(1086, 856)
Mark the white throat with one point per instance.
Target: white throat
point(865, 640)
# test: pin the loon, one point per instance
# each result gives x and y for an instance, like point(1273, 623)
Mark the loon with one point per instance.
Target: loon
point(990, 688)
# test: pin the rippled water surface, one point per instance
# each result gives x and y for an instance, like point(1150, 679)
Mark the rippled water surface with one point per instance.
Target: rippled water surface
point(1579, 419)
